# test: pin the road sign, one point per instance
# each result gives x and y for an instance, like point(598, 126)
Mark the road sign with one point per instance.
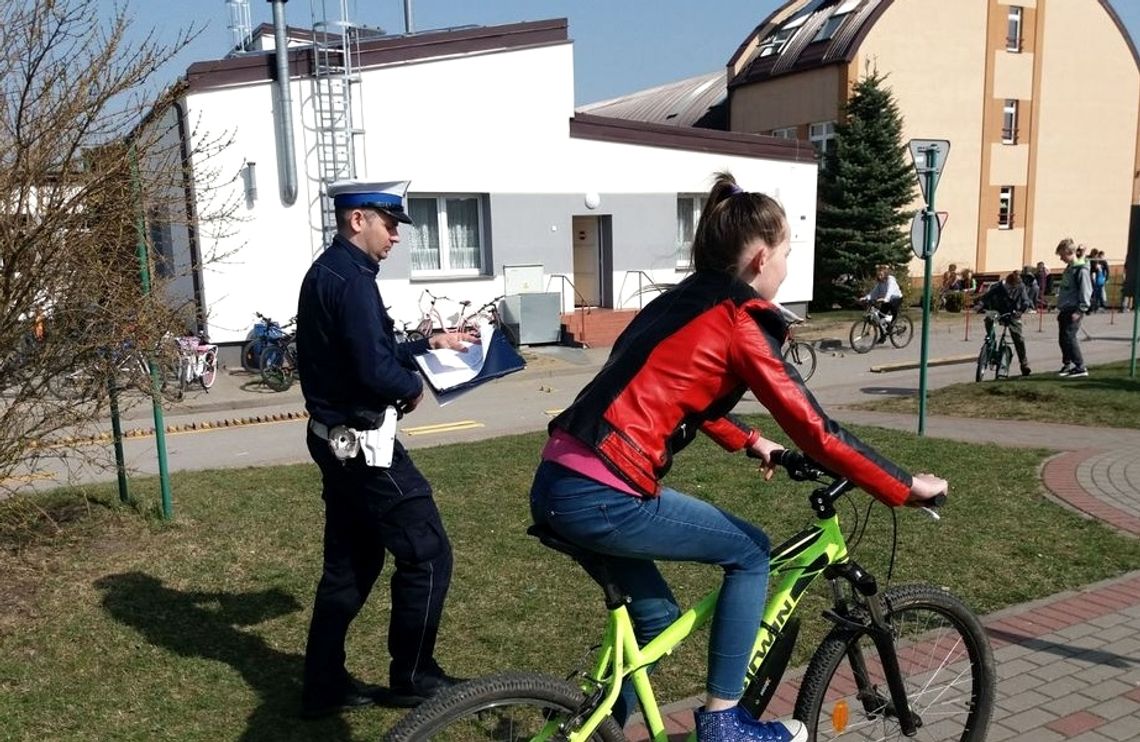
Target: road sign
point(918, 149)
point(918, 233)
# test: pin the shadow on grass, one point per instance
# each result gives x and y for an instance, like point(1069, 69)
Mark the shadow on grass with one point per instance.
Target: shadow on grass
point(207, 625)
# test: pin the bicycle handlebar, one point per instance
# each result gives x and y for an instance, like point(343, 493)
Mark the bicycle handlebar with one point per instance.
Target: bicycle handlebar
point(801, 468)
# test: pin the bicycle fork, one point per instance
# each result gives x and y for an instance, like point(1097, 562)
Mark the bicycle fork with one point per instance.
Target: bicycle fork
point(880, 632)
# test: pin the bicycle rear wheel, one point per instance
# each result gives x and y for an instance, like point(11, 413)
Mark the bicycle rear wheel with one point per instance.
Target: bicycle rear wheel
point(511, 706)
point(210, 369)
point(802, 357)
point(946, 665)
point(863, 335)
point(1003, 362)
point(902, 332)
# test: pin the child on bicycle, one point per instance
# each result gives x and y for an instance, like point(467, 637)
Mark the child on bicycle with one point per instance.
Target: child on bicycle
point(887, 294)
point(681, 366)
point(1007, 297)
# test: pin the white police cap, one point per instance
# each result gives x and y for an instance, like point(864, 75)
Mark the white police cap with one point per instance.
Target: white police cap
point(387, 197)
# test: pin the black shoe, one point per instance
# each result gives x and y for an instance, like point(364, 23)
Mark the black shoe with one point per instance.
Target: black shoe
point(1025, 371)
point(407, 695)
point(356, 696)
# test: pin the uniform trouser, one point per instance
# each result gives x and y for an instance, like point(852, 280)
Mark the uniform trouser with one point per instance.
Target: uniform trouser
point(1068, 323)
point(1015, 333)
point(370, 511)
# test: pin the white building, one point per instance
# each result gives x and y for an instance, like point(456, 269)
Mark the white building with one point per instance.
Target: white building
point(503, 174)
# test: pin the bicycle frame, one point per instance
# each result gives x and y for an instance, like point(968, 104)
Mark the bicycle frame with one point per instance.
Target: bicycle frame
point(794, 566)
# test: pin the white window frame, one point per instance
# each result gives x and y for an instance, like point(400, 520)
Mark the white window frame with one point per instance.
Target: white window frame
point(1013, 40)
point(776, 42)
point(787, 132)
point(685, 247)
point(830, 27)
point(821, 134)
point(1005, 208)
point(1009, 121)
point(445, 270)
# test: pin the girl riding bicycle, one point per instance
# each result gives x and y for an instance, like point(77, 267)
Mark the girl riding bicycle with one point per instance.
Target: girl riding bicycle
point(682, 365)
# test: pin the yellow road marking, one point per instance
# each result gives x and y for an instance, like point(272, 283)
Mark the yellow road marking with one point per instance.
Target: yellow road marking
point(442, 428)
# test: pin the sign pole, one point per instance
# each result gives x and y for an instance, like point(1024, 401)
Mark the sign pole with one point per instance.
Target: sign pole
point(928, 217)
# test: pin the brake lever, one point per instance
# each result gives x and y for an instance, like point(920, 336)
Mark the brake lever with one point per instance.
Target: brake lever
point(932, 510)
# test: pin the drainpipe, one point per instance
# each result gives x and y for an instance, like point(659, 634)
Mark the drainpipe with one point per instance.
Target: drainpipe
point(286, 151)
point(191, 217)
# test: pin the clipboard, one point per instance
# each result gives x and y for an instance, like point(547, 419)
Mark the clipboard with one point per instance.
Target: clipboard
point(450, 374)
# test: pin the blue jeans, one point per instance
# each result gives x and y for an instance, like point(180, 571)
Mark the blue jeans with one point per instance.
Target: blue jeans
point(674, 527)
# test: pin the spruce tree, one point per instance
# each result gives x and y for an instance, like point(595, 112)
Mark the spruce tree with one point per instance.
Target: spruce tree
point(866, 183)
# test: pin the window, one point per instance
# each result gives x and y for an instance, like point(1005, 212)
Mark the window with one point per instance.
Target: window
point(1009, 122)
point(830, 26)
point(1005, 208)
point(788, 132)
point(447, 237)
point(161, 244)
point(774, 44)
point(821, 136)
point(689, 208)
point(1013, 36)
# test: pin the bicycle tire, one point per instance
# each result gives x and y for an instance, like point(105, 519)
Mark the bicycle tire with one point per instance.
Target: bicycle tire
point(1004, 361)
point(903, 331)
point(863, 335)
point(276, 369)
point(209, 369)
point(962, 716)
point(983, 362)
point(475, 710)
point(414, 335)
point(801, 356)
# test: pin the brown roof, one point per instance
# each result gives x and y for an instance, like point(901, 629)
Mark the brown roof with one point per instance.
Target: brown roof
point(802, 52)
point(696, 101)
point(624, 131)
point(259, 66)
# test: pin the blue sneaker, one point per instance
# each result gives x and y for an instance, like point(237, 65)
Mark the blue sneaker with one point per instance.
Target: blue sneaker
point(735, 725)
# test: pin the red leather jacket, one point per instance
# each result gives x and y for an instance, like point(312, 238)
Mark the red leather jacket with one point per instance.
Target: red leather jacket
point(683, 364)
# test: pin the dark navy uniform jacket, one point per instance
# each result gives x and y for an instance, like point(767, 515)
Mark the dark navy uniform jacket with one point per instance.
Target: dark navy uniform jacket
point(347, 355)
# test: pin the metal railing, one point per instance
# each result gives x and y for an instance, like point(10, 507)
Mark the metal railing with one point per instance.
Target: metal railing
point(642, 286)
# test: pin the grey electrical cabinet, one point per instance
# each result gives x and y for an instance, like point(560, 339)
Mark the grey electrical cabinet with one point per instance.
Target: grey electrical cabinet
point(535, 318)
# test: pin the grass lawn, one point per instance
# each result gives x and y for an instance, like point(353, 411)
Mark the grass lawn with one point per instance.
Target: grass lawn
point(1106, 397)
point(114, 625)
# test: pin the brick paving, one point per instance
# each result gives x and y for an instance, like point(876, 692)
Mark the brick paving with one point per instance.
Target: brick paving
point(1068, 665)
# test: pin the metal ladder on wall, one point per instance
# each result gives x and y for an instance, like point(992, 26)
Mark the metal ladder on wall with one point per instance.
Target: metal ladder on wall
point(336, 49)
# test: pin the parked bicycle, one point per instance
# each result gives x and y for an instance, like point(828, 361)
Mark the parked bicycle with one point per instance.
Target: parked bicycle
point(799, 354)
point(898, 661)
point(489, 313)
point(279, 363)
point(997, 351)
point(195, 360)
point(264, 331)
point(875, 327)
point(430, 319)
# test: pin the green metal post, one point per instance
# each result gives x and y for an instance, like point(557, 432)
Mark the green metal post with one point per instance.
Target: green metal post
point(928, 221)
point(1135, 315)
point(155, 382)
point(117, 437)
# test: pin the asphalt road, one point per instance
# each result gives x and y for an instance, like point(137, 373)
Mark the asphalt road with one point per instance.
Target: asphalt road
point(522, 402)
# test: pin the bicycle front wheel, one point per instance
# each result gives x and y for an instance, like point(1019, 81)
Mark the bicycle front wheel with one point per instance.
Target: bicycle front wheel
point(802, 357)
point(511, 706)
point(276, 368)
point(902, 332)
point(863, 335)
point(983, 362)
point(944, 659)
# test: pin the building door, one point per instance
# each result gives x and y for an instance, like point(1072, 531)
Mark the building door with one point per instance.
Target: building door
point(587, 261)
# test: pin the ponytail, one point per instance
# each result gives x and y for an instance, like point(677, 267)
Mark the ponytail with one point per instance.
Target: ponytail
point(731, 219)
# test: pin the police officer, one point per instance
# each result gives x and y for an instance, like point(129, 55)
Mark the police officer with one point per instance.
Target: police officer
point(351, 370)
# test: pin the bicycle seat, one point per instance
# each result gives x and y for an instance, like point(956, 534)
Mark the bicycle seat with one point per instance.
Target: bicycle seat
point(592, 562)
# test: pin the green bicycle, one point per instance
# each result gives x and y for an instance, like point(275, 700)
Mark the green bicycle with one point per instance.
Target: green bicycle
point(996, 352)
point(910, 661)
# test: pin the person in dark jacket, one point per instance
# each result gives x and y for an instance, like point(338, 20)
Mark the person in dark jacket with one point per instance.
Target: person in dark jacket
point(1073, 299)
point(353, 374)
point(1007, 300)
point(679, 368)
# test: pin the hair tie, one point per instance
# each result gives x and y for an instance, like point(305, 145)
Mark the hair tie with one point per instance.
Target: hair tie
point(735, 189)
